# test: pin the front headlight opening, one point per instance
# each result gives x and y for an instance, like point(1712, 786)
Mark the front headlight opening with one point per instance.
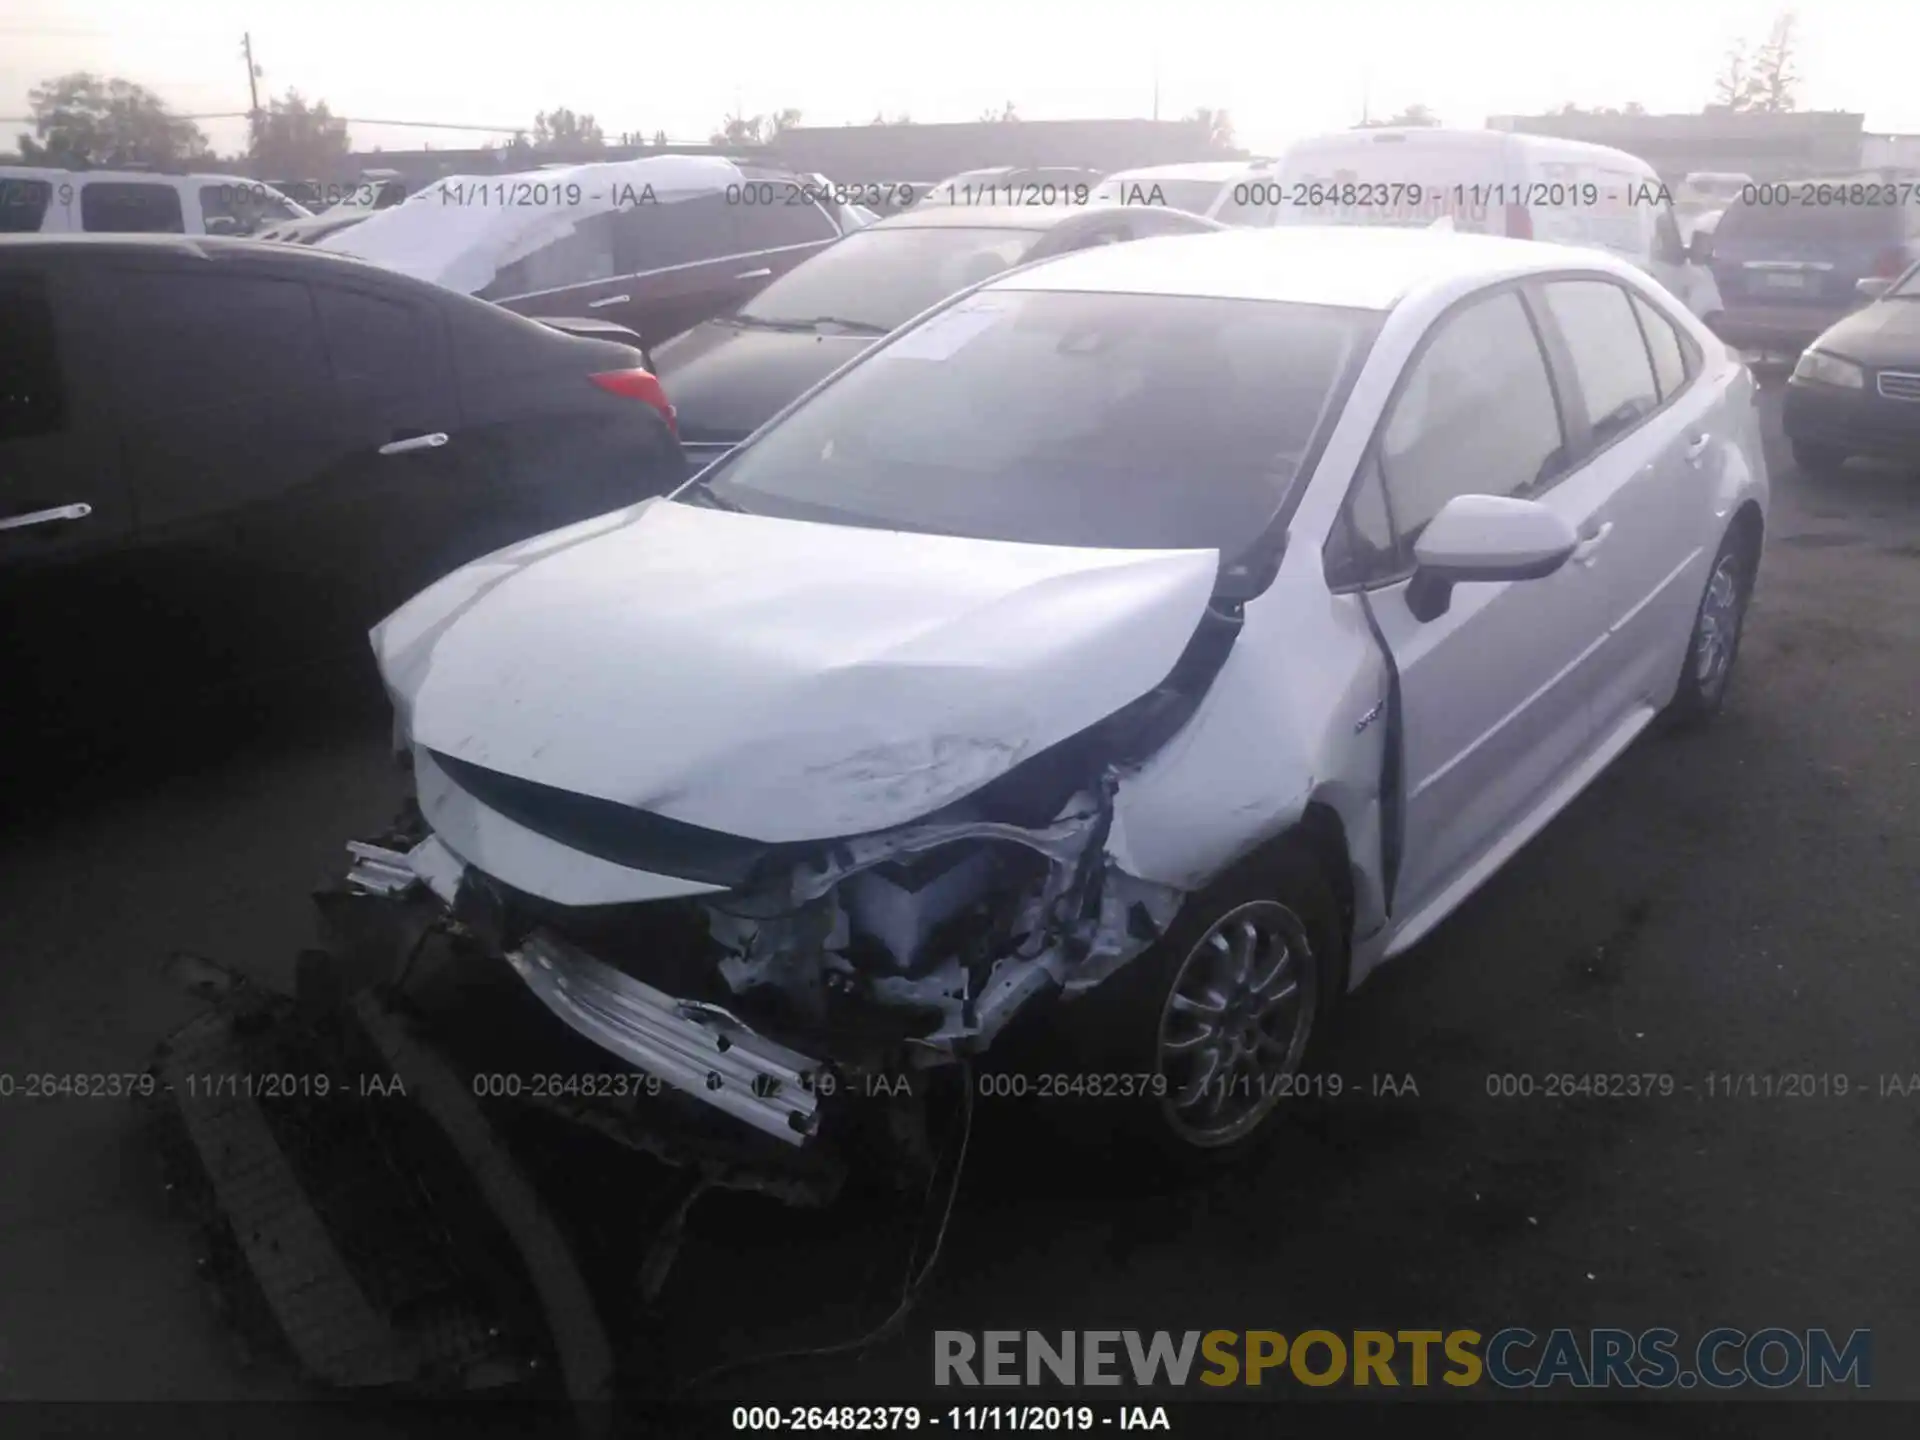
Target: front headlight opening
point(1824, 369)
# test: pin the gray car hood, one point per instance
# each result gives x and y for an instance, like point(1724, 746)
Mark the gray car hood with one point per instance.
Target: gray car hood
point(779, 679)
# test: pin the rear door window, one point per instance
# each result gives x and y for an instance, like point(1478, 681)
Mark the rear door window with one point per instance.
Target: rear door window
point(1670, 366)
point(23, 205)
point(769, 227)
point(377, 343)
point(675, 232)
point(582, 256)
point(131, 208)
point(1610, 361)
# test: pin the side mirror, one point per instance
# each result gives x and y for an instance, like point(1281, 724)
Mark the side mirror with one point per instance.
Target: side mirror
point(1485, 537)
point(1700, 246)
point(1872, 287)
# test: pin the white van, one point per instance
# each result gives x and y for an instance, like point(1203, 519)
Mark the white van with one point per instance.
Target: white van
point(37, 200)
point(1495, 182)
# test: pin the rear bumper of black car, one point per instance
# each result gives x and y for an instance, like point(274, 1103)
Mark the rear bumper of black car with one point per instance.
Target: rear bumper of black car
point(1860, 422)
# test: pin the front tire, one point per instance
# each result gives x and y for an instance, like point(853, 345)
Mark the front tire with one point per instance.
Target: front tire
point(1220, 1012)
point(1814, 459)
point(1719, 621)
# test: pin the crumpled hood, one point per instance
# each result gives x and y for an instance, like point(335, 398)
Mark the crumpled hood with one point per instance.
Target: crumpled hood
point(780, 679)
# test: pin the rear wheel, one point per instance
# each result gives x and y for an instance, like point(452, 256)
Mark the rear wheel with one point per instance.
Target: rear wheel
point(1816, 459)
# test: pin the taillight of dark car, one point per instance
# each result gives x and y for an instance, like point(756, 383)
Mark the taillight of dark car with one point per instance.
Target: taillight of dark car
point(642, 385)
point(1519, 222)
point(1888, 264)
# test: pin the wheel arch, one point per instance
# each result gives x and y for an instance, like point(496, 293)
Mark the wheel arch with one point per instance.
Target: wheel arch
point(1320, 834)
point(1751, 526)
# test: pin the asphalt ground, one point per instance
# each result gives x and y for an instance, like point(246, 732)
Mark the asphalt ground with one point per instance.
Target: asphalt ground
point(1735, 903)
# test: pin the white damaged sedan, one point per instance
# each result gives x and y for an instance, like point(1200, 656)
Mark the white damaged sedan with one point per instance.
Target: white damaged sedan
point(1164, 634)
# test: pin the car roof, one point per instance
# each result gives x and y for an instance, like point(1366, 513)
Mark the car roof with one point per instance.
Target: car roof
point(156, 177)
point(1222, 170)
point(1356, 267)
point(200, 247)
point(984, 217)
point(1438, 136)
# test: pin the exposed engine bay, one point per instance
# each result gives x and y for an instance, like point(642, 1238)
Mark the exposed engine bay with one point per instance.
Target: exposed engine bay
point(883, 953)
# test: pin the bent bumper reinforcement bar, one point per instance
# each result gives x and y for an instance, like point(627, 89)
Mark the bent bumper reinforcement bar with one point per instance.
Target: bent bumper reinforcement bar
point(696, 1048)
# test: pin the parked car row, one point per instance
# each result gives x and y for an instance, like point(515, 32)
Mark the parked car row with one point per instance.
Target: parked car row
point(397, 408)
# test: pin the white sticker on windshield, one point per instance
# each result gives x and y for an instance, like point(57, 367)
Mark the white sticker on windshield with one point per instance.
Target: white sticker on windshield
point(943, 335)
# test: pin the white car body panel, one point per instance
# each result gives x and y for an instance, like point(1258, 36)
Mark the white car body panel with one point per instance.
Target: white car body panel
point(789, 681)
point(65, 212)
point(1288, 722)
point(865, 677)
point(462, 243)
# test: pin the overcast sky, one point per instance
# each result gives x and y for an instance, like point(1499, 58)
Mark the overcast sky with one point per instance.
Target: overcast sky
point(1281, 69)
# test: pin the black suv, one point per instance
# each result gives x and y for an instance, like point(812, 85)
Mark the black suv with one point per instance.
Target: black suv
point(225, 458)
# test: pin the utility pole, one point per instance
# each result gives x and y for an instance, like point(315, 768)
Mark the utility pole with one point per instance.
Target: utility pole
point(1156, 86)
point(253, 76)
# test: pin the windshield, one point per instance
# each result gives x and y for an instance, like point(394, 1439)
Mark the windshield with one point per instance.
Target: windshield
point(883, 278)
point(1862, 224)
point(1063, 418)
point(1246, 201)
point(1196, 197)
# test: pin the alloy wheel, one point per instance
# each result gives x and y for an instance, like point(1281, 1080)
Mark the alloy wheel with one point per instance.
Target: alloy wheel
point(1717, 633)
point(1236, 1022)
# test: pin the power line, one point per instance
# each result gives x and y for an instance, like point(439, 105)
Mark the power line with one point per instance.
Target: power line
point(343, 119)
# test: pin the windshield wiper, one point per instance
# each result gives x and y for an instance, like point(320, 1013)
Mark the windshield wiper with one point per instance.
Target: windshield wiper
point(701, 493)
point(858, 327)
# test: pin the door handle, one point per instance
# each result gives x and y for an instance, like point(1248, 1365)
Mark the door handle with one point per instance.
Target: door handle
point(415, 442)
point(610, 300)
point(79, 510)
point(762, 273)
point(1696, 450)
point(1584, 552)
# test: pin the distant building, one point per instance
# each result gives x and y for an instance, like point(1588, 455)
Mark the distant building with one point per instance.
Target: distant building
point(1900, 152)
point(866, 154)
point(1765, 145)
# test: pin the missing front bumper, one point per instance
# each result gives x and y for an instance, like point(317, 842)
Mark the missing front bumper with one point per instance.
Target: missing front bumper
point(695, 1047)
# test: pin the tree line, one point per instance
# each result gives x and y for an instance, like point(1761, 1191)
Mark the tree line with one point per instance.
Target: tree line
point(1761, 78)
point(94, 121)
